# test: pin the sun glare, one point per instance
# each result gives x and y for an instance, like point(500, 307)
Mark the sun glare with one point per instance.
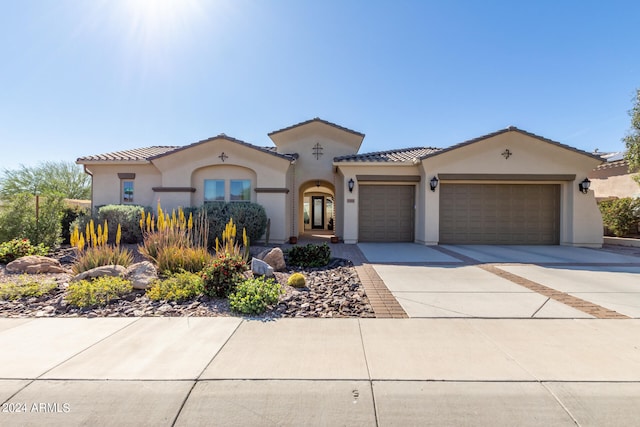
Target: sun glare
point(153, 25)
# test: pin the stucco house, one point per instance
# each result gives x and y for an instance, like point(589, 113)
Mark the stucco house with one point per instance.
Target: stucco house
point(507, 187)
point(612, 179)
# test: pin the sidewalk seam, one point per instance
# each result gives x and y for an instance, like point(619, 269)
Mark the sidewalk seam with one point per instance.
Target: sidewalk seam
point(366, 363)
point(197, 379)
point(562, 405)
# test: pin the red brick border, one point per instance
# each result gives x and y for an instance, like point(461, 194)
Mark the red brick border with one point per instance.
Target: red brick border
point(594, 310)
point(382, 301)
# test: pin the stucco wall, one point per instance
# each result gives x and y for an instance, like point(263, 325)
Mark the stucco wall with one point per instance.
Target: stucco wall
point(106, 183)
point(580, 219)
point(614, 181)
point(349, 201)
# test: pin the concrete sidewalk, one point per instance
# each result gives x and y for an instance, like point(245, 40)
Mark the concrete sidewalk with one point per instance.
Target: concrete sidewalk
point(230, 371)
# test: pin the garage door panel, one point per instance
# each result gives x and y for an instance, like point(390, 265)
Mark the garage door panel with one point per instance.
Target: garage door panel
point(500, 214)
point(386, 213)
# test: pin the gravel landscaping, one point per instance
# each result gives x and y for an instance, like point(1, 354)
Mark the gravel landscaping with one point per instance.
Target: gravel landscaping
point(332, 291)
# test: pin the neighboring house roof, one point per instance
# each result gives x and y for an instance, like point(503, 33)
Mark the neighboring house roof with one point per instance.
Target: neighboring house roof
point(135, 155)
point(613, 160)
point(511, 129)
point(399, 155)
point(150, 153)
point(317, 119)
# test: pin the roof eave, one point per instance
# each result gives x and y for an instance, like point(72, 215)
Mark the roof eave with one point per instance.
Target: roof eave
point(374, 163)
point(112, 162)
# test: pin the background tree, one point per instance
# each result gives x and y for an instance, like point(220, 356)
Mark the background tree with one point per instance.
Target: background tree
point(65, 178)
point(632, 140)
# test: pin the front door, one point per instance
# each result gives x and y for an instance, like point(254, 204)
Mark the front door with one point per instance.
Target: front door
point(317, 212)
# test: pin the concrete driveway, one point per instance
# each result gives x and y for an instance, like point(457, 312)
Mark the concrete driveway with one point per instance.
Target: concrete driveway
point(508, 281)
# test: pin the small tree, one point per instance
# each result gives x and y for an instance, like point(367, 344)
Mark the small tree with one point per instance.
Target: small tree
point(20, 219)
point(65, 178)
point(632, 140)
point(621, 216)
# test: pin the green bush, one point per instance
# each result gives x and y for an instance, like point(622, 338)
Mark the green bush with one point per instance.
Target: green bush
point(69, 215)
point(18, 219)
point(309, 255)
point(98, 292)
point(621, 216)
point(17, 248)
point(254, 296)
point(128, 216)
point(25, 287)
point(222, 275)
point(296, 280)
point(249, 216)
point(177, 287)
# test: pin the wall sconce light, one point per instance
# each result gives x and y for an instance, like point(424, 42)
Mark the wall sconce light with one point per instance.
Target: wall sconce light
point(433, 183)
point(584, 186)
point(351, 184)
point(318, 183)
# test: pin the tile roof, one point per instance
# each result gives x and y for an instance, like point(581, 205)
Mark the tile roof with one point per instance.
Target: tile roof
point(268, 150)
point(147, 154)
point(512, 129)
point(317, 119)
point(400, 155)
point(135, 155)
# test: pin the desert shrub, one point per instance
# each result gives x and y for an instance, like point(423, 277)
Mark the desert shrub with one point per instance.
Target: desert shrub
point(98, 256)
point(94, 251)
point(296, 280)
point(69, 215)
point(247, 216)
point(309, 255)
point(254, 296)
point(177, 287)
point(25, 287)
point(222, 275)
point(250, 217)
point(18, 219)
point(229, 247)
point(17, 248)
point(175, 258)
point(175, 242)
point(621, 216)
point(98, 292)
point(128, 216)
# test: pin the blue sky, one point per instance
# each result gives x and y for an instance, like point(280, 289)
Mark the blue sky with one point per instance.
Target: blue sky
point(85, 77)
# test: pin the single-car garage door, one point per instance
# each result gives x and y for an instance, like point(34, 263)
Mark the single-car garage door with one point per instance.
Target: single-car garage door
point(500, 214)
point(385, 213)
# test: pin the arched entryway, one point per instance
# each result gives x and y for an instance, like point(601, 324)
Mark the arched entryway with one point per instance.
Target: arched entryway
point(316, 208)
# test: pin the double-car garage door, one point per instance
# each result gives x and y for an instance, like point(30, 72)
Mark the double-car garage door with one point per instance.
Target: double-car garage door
point(500, 214)
point(470, 214)
point(386, 213)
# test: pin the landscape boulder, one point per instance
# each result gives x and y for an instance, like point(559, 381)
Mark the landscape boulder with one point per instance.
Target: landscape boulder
point(141, 274)
point(261, 268)
point(105, 270)
point(35, 264)
point(275, 258)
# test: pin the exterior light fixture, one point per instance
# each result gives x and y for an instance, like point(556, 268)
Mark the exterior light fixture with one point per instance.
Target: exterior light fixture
point(433, 183)
point(584, 186)
point(351, 184)
point(318, 183)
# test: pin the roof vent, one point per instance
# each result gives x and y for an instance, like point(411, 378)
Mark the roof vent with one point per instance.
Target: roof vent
point(512, 128)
